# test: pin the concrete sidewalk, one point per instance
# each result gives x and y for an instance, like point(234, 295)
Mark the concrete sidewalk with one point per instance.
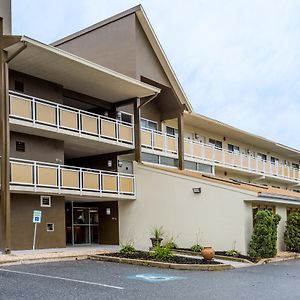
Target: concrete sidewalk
point(55, 254)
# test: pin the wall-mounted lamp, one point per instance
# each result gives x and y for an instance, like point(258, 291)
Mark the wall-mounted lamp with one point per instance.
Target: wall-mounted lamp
point(109, 163)
point(197, 190)
point(120, 163)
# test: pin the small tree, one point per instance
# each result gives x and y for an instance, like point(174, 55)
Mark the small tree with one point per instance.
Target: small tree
point(264, 236)
point(292, 232)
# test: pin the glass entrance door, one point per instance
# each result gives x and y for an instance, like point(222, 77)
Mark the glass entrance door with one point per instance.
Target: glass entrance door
point(85, 225)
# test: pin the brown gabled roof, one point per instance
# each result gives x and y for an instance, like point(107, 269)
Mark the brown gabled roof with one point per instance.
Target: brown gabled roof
point(251, 187)
point(153, 40)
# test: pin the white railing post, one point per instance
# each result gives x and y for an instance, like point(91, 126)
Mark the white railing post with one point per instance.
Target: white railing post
point(223, 156)
point(33, 111)
point(118, 184)
point(100, 182)
point(79, 120)
point(34, 175)
point(99, 127)
point(80, 180)
point(117, 129)
point(57, 117)
point(165, 143)
point(59, 179)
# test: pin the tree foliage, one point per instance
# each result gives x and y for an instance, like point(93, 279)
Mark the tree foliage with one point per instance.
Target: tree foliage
point(292, 232)
point(264, 236)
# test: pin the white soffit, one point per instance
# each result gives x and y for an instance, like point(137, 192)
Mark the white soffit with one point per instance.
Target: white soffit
point(76, 74)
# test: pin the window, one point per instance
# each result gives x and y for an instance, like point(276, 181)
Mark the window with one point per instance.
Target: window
point(189, 165)
point(168, 161)
point(274, 160)
point(148, 124)
point(151, 158)
point(45, 201)
point(20, 146)
point(50, 226)
point(216, 143)
point(295, 166)
point(205, 168)
point(233, 148)
point(171, 131)
point(19, 86)
point(125, 117)
point(262, 156)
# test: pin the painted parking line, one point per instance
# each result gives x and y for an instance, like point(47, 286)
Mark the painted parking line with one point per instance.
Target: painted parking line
point(154, 277)
point(63, 278)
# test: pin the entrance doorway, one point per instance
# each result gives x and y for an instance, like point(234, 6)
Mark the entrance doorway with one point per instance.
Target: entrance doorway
point(92, 223)
point(82, 225)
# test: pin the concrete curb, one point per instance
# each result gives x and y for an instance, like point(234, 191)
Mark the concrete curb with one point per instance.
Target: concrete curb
point(190, 253)
point(19, 261)
point(277, 259)
point(163, 265)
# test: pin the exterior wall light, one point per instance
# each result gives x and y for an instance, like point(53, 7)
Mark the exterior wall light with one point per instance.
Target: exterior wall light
point(197, 190)
point(109, 163)
point(120, 163)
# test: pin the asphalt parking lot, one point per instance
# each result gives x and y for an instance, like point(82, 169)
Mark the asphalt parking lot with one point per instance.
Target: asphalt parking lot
point(88, 279)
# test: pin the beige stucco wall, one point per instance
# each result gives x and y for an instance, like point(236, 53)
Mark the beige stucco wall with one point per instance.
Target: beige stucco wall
point(5, 13)
point(219, 215)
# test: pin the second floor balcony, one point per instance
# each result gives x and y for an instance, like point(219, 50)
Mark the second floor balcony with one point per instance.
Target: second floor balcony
point(161, 143)
point(41, 177)
point(55, 120)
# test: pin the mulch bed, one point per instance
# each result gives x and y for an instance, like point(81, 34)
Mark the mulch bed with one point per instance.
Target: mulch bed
point(223, 253)
point(174, 259)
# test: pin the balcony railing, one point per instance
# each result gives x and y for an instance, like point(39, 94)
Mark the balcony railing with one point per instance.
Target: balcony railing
point(60, 179)
point(237, 160)
point(160, 141)
point(65, 119)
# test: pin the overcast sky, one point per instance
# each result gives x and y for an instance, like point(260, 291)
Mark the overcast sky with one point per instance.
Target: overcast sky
point(237, 60)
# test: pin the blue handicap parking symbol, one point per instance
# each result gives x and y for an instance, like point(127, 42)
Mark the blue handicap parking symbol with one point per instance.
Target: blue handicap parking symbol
point(154, 277)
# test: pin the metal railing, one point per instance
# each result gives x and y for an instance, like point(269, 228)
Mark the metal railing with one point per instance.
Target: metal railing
point(64, 179)
point(160, 141)
point(65, 119)
point(237, 160)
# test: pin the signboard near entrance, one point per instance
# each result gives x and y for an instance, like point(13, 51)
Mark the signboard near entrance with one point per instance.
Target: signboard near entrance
point(37, 216)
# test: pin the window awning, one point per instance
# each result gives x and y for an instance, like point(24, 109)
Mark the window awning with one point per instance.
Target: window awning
point(75, 73)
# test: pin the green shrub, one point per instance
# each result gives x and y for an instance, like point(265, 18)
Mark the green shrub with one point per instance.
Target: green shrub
point(170, 243)
point(127, 248)
point(161, 253)
point(292, 232)
point(233, 252)
point(196, 248)
point(264, 236)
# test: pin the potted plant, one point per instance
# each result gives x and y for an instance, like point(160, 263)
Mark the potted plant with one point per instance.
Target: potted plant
point(157, 234)
point(208, 253)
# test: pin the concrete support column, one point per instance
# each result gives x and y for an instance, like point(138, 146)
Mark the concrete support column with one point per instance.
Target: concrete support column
point(180, 141)
point(5, 151)
point(137, 130)
point(281, 211)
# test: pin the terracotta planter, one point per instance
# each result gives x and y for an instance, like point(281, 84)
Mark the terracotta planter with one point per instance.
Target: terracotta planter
point(208, 253)
point(156, 242)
